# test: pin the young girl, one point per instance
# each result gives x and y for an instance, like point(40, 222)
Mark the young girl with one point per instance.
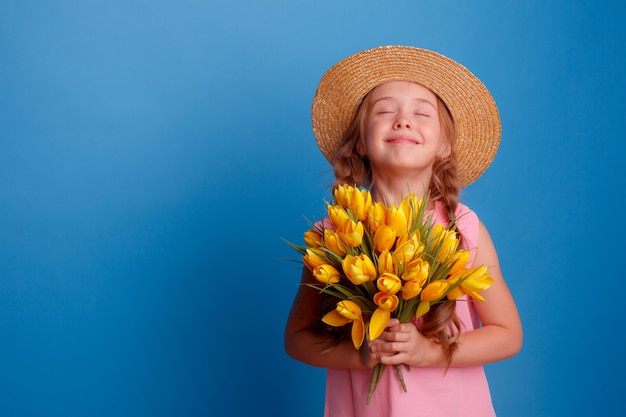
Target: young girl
point(397, 119)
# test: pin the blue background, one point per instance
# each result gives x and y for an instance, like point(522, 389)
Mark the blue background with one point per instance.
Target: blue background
point(153, 154)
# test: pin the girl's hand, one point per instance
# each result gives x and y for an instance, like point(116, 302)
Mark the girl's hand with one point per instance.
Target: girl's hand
point(401, 343)
point(371, 354)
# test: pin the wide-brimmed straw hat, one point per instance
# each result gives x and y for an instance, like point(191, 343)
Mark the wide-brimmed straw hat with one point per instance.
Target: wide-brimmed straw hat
point(473, 109)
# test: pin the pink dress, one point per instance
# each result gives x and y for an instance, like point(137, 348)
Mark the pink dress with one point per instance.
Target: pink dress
point(432, 392)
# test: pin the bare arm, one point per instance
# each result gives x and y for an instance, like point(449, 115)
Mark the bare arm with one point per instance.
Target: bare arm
point(303, 339)
point(500, 336)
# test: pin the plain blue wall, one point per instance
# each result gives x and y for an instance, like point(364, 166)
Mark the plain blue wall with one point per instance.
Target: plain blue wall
point(153, 154)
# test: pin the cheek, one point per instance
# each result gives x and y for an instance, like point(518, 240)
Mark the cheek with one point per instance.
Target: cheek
point(444, 147)
point(361, 149)
point(364, 141)
point(363, 145)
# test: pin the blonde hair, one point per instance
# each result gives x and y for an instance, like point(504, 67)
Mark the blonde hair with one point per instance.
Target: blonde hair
point(352, 167)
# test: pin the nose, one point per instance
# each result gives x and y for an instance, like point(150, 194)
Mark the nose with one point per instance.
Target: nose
point(402, 122)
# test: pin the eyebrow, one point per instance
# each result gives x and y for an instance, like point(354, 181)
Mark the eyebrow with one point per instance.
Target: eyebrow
point(420, 100)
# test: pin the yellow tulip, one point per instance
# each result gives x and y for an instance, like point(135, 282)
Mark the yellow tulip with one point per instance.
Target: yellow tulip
point(457, 292)
point(386, 263)
point(359, 269)
point(345, 312)
point(411, 289)
point(341, 197)
point(384, 238)
point(348, 309)
point(352, 234)
point(386, 304)
point(460, 259)
point(389, 283)
point(313, 238)
point(398, 219)
point(418, 270)
point(338, 217)
point(478, 280)
point(355, 200)
point(333, 242)
point(313, 258)
point(407, 250)
point(376, 216)
point(326, 274)
point(414, 203)
point(446, 240)
point(435, 290)
point(386, 301)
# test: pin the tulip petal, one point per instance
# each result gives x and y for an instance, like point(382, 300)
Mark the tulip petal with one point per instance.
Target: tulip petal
point(435, 290)
point(326, 274)
point(358, 332)
point(422, 308)
point(455, 293)
point(378, 322)
point(333, 318)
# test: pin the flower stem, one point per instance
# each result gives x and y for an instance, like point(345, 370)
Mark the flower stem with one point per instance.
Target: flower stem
point(377, 372)
point(400, 376)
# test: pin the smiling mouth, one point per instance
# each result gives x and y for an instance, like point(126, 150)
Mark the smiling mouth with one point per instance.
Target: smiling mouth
point(404, 139)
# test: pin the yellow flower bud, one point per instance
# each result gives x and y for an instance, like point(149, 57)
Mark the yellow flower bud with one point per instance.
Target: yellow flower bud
point(389, 283)
point(459, 259)
point(398, 219)
point(353, 199)
point(377, 216)
point(326, 274)
point(435, 290)
point(407, 250)
point(457, 292)
point(313, 238)
point(352, 233)
point(333, 242)
point(359, 269)
point(313, 258)
point(478, 280)
point(341, 196)
point(338, 217)
point(411, 289)
point(386, 263)
point(347, 311)
point(414, 203)
point(447, 241)
point(384, 238)
point(386, 301)
point(418, 271)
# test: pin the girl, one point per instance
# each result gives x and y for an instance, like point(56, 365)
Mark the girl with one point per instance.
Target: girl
point(394, 119)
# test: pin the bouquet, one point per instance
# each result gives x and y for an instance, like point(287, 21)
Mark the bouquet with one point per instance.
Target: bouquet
point(385, 261)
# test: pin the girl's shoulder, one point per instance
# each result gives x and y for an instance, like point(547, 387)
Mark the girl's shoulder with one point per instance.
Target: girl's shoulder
point(467, 224)
point(467, 221)
point(466, 215)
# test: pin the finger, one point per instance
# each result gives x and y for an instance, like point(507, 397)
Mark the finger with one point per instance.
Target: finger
point(391, 359)
point(391, 336)
point(393, 322)
point(390, 348)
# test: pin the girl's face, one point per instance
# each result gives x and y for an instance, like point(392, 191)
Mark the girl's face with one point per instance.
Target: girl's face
point(402, 129)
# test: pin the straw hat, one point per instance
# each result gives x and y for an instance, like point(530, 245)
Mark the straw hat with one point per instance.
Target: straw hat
point(475, 115)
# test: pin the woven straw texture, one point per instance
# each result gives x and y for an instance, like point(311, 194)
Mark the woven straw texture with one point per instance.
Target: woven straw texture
point(472, 107)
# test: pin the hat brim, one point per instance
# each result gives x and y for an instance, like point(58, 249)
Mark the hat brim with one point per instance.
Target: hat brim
point(473, 109)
